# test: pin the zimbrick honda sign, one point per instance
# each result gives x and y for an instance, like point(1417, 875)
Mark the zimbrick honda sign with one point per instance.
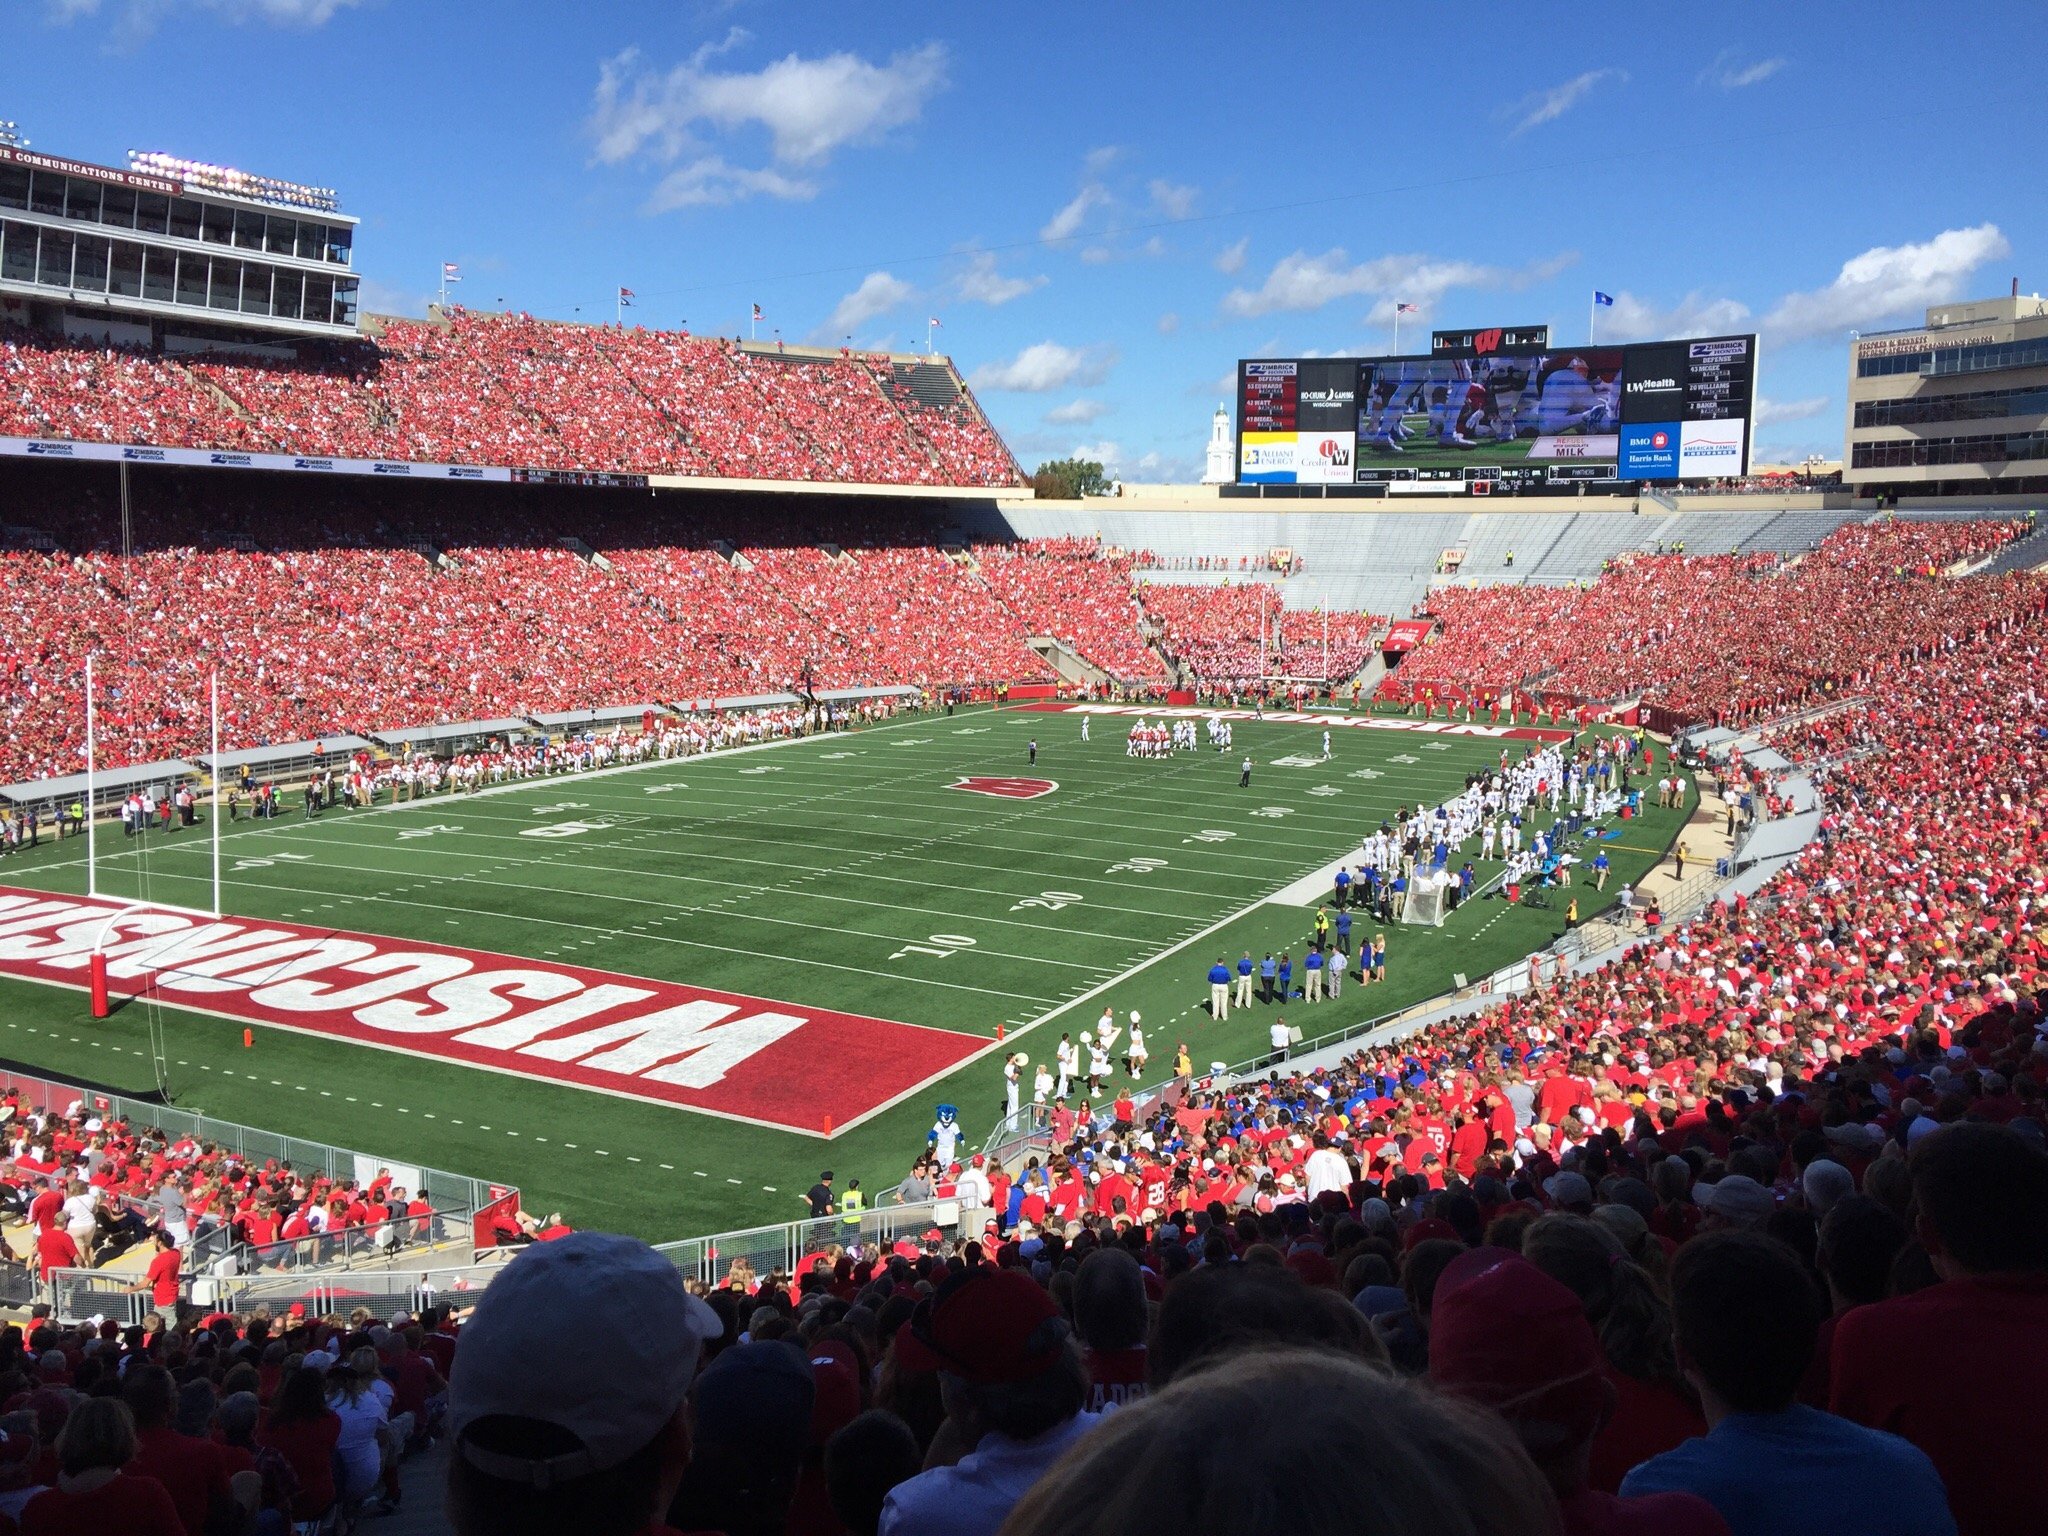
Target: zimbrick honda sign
point(664, 1042)
point(300, 463)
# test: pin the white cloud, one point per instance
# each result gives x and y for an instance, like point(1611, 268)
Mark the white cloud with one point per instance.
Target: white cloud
point(377, 298)
point(878, 293)
point(1169, 323)
point(1046, 365)
point(1635, 319)
point(1098, 255)
point(1889, 282)
point(808, 108)
point(1301, 282)
point(1230, 260)
point(982, 283)
point(1548, 106)
point(1772, 412)
point(1176, 202)
point(1110, 455)
point(710, 182)
point(137, 19)
point(1078, 413)
point(1730, 74)
point(1101, 158)
point(1064, 224)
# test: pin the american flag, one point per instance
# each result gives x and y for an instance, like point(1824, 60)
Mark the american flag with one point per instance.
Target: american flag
point(626, 296)
point(757, 312)
point(1404, 309)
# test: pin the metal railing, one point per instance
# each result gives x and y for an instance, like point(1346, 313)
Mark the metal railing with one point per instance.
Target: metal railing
point(786, 1245)
point(76, 1295)
point(56, 1096)
point(334, 1250)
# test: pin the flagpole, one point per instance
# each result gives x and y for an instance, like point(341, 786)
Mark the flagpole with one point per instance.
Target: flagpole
point(1397, 328)
point(1592, 309)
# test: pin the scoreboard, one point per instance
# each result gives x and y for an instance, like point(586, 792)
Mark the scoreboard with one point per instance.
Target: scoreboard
point(1501, 407)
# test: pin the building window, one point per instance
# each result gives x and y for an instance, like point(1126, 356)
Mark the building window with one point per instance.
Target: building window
point(1914, 453)
point(117, 207)
point(160, 274)
point(46, 193)
point(89, 270)
point(83, 201)
point(1978, 405)
point(18, 255)
point(124, 274)
point(54, 268)
point(13, 186)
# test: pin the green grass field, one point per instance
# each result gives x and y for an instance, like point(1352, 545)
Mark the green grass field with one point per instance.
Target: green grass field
point(830, 873)
point(1423, 451)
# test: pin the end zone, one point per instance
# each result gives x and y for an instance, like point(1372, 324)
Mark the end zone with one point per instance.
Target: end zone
point(716, 1053)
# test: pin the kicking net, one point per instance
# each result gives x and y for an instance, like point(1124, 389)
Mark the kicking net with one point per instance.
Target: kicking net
point(1428, 899)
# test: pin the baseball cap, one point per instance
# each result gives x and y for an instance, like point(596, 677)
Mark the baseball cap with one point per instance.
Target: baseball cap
point(516, 1361)
point(753, 1394)
point(1504, 1332)
point(1737, 1198)
point(1568, 1189)
point(988, 1325)
point(836, 1403)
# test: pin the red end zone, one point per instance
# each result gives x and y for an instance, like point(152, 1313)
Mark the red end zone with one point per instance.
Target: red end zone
point(720, 1053)
point(1300, 717)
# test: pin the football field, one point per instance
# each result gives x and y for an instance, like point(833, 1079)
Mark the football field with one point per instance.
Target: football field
point(662, 997)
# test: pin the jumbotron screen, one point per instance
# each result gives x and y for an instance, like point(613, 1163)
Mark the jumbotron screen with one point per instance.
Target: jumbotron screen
point(1654, 411)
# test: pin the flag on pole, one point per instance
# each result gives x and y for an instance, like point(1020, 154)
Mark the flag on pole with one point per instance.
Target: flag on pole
point(1404, 309)
point(936, 321)
point(757, 312)
point(626, 297)
point(1604, 300)
point(449, 271)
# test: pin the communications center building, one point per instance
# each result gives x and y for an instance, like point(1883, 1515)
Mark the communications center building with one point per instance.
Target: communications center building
point(171, 254)
point(1955, 407)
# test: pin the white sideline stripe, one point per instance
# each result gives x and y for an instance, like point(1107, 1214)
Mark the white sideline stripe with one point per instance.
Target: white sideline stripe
point(515, 786)
point(1052, 1013)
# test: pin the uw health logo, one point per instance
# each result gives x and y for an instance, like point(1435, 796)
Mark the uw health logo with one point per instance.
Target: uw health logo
point(1006, 789)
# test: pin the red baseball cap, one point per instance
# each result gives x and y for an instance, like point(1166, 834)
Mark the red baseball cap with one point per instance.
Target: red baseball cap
point(1507, 1334)
point(837, 1401)
point(986, 1324)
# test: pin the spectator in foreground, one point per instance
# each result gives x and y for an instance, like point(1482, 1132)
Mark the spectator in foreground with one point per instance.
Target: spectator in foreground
point(1746, 1314)
point(1366, 1455)
point(1013, 1383)
point(1232, 1309)
point(1505, 1334)
point(1111, 1318)
point(1981, 1196)
point(92, 1492)
point(554, 1434)
point(863, 1462)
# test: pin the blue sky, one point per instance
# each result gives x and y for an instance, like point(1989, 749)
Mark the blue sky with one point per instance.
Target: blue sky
point(1106, 205)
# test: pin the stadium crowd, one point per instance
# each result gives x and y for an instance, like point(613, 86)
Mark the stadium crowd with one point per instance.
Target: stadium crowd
point(366, 618)
point(1744, 1231)
point(510, 390)
point(1722, 638)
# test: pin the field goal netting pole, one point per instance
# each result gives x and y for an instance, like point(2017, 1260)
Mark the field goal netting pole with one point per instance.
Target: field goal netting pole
point(159, 1053)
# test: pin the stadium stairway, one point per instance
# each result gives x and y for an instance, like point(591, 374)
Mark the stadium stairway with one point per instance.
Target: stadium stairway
point(2022, 554)
point(1069, 663)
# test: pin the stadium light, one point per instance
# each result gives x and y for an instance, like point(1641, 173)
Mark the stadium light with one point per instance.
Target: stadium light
point(10, 134)
point(206, 177)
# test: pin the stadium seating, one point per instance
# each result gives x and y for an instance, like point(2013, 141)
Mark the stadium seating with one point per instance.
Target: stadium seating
point(510, 390)
point(1522, 1207)
point(1721, 637)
